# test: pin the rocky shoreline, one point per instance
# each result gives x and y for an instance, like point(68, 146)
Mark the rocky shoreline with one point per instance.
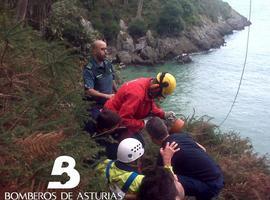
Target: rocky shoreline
point(150, 50)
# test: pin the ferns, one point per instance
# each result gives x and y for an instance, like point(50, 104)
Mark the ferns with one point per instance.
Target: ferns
point(41, 146)
point(41, 109)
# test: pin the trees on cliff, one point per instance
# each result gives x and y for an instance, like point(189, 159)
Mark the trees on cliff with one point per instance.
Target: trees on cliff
point(34, 12)
point(170, 21)
point(139, 9)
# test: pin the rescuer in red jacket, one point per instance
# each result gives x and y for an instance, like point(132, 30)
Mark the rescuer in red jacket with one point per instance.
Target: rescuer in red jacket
point(134, 100)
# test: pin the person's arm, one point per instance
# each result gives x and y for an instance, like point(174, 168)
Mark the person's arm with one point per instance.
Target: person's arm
point(157, 111)
point(101, 167)
point(168, 152)
point(128, 110)
point(114, 86)
point(89, 83)
point(94, 93)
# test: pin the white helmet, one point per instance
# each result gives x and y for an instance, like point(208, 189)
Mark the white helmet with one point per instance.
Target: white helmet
point(129, 150)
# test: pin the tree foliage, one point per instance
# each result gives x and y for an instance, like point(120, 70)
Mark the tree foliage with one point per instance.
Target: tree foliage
point(41, 107)
point(65, 23)
point(166, 17)
point(137, 28)
point(213, 9)
point(170, 21)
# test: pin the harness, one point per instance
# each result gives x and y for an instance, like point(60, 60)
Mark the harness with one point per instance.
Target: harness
point(161, 83)
point(156, 89)
point(165, 84)
point(128, 182)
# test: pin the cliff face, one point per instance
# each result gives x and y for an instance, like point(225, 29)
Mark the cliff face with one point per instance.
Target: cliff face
point(162, 30)
point(150, 50)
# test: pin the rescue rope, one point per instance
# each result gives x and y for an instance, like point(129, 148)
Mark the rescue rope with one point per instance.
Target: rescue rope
point(243, 70)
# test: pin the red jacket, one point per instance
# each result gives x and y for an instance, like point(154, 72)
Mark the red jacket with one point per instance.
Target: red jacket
point(133, 104)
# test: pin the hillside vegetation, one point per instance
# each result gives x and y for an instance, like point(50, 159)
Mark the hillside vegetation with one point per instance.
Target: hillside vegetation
point(165, 17)
point(62, 18)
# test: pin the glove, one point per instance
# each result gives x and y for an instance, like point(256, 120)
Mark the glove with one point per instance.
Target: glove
point(170, 115)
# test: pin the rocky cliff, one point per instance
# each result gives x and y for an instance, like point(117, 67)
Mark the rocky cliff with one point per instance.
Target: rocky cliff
point(148, 50)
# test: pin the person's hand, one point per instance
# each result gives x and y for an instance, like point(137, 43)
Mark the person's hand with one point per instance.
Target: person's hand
point(168, 152)
point(170, 115)
point(108, 96)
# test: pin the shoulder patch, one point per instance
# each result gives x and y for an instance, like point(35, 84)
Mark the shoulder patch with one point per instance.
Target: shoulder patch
point(89, 66)
point(107, 62)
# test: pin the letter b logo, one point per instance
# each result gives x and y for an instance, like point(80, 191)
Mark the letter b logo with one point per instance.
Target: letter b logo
point(58, 169)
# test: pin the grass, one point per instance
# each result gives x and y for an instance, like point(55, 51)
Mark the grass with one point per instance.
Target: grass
point(246, 174)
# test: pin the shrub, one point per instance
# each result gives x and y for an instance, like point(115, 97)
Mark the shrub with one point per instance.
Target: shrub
point(213, 9)
point(107, 24)
point(64, 23)
point(110, 31)
point(41, 108)
point(188, 8)
point(170, 21)
point(137, 28)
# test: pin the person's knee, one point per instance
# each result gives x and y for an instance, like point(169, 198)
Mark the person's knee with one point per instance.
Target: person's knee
point(214, 189)
point(218, 185)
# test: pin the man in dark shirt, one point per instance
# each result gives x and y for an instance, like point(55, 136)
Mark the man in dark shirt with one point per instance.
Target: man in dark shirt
point(98, 76)
point(197, 172)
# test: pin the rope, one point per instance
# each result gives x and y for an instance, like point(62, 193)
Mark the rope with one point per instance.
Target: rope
point(243, 70)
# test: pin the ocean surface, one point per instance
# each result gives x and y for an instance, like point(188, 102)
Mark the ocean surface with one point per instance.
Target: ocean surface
point(210, 82)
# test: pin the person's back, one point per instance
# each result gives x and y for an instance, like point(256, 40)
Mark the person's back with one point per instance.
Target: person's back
point(133, 89)
point(199, 175)
point(119, 174)
point(192, 160)
point(133, 103)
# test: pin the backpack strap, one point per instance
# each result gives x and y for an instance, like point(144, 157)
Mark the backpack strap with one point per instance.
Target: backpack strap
point(108, 170)
point(129, 181)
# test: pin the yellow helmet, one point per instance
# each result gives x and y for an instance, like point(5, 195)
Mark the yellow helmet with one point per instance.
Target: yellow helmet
point(167, 83)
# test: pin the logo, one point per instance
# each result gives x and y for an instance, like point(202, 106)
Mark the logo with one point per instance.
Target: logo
point(64, 164)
